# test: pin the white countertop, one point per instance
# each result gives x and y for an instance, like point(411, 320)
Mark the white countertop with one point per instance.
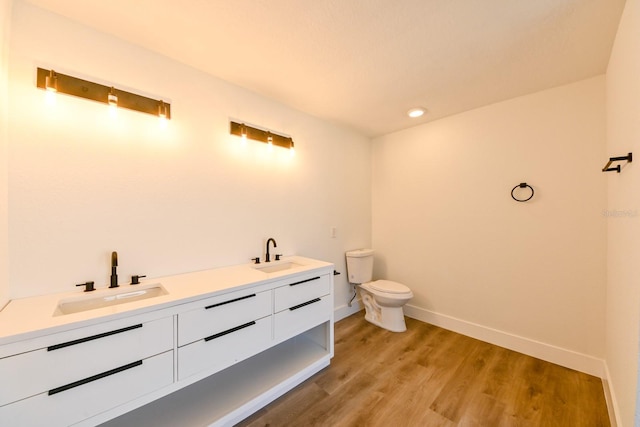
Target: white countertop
point(34, 316)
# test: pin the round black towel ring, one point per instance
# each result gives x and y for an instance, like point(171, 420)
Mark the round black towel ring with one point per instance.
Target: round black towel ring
point(522, 185)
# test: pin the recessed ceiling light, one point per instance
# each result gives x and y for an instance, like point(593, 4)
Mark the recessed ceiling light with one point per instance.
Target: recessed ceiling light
point(416, 112)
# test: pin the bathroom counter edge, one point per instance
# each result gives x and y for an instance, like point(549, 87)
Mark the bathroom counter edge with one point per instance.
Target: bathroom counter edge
point(32, 317)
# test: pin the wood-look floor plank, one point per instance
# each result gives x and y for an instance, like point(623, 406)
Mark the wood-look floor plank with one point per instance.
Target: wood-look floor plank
point(456, 397)
point(429, 376)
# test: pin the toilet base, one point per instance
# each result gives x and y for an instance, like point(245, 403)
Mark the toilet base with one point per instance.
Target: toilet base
point(397, 325)
point(389, 318)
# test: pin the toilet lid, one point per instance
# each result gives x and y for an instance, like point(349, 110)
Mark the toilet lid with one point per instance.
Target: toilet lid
point(389, 287)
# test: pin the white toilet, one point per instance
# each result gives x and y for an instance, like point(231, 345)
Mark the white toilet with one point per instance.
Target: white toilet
point(383, 299)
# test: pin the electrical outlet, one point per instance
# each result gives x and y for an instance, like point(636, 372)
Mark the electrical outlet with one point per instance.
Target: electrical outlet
point(333, 232)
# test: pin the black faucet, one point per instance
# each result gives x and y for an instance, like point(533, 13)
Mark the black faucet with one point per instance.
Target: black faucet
point(267, 257)
point(114, 272)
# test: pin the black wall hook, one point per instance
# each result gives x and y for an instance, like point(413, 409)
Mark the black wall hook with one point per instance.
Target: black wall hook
point(627, 158)
point(522, 185)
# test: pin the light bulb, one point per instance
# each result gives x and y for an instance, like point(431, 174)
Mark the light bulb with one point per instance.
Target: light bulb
point(270, 141)
point(51, 82)
point(243, 133)
point(112, 98)
point(162, 110)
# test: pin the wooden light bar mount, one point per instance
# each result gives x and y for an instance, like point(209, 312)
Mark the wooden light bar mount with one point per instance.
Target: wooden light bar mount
point(255, 134)
point(52, 80)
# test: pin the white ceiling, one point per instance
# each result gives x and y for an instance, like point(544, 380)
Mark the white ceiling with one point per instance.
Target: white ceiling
point(364, 63)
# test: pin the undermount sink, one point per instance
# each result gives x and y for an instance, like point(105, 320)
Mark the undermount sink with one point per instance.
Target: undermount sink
point(273, 268)
point(107, 298)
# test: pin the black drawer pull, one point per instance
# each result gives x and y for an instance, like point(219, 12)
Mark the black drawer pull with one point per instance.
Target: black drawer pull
point(228, 331)
point(304, 281)
point(295, 307)
point(94, 378)
point(229, 302)
point(92, 337)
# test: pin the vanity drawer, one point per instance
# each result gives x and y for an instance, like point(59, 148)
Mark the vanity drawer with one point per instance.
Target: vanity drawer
point(301, 317)
point(81, 401)
point(302, 290)
point(220, 350)
point(220, 313)
point(40, 370)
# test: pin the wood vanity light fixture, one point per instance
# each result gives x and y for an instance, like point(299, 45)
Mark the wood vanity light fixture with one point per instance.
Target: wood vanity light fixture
point(62, 83)
point(249, 132)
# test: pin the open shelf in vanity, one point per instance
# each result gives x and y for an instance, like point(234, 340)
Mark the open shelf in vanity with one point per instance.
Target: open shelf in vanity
point(226, 397)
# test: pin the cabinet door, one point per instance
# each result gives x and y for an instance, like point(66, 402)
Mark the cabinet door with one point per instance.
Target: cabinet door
point(301, 290)
point(301, 317)
point(40, 370)
point(220, 313)
point(224, 348)
point(75, 402)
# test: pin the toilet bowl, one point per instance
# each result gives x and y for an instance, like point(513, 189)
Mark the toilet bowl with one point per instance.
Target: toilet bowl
point(382, 299)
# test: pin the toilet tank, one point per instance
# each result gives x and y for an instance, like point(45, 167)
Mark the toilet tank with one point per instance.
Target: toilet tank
point(360, 265)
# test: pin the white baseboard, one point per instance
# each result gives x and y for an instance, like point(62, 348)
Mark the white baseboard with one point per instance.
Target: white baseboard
point(343, 311)
point(560, 356)
point(610, 397)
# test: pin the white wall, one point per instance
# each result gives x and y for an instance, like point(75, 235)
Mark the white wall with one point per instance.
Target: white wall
point(5, 25)
point(623, 278)
point(181, 198)
point(444, 222)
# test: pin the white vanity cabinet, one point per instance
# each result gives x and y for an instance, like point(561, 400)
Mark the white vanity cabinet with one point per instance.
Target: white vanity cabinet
point(222, 331)
point(226, 381)
point(66, 377)
point(301, 304)
point(229, 342)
